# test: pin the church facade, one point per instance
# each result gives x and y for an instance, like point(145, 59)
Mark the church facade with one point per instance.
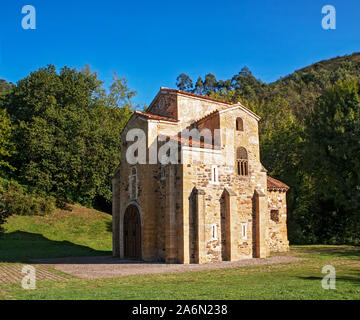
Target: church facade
point(212, 201)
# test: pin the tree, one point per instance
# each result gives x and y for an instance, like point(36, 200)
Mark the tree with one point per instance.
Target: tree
point(7, 147)
point(184, 82)
point(210, 84)
point(333, 135)
point(120, 95)
point(68, 132)
point(199, 87)
point(3, 216)
point(245, 71)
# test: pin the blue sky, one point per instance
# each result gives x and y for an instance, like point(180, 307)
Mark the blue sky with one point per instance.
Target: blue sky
point(152, 42)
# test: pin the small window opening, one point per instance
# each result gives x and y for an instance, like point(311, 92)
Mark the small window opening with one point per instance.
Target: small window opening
point(274, 215)
point(239, 124)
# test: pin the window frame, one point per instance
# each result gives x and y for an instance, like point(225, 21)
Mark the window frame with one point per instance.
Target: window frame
point(214, 174)
point(239, 124)
point(242, 162)
point(243, 231)
point(214, 232)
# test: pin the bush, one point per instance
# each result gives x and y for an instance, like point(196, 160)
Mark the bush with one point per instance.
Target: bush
point(27, 204)
point(3, 216)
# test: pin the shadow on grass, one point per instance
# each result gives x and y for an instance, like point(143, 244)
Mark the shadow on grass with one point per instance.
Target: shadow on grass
point(352, 277)
point(22, 246)
point(331, 251)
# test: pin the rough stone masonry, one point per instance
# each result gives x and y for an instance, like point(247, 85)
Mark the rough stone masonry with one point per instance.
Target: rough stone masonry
point(193, 211)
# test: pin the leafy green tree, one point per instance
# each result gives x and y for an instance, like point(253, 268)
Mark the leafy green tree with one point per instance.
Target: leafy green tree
point(7, 147)
point(68, 132)
point(210, 84)
point(3, 216)
point(4, 86)
point(332, 159)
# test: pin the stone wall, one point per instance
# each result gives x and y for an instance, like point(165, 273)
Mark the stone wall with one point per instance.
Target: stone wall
point(277, 229)
point(185, 216)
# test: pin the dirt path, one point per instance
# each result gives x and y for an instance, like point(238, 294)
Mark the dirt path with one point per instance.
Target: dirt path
point(110, 267)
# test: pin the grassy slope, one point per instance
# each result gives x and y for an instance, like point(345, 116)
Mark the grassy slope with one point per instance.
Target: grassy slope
point(79, 232)
point(87, 232)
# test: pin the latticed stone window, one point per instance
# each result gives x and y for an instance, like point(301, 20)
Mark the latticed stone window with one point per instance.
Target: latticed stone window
point(239, 124)
point(274, 215)
point(242, 166)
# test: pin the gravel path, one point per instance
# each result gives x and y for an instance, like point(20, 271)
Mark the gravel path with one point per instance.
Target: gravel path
point(110, 267)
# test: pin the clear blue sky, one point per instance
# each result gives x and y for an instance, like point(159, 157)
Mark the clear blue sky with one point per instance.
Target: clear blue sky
point(152, 42)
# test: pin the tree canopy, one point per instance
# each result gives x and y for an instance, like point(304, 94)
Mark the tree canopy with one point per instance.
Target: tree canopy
point(67, 132)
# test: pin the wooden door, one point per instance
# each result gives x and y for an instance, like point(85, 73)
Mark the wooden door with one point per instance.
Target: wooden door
point(132, 233)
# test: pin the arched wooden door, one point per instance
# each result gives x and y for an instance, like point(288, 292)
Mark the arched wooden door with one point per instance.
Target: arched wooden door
point(132, 233)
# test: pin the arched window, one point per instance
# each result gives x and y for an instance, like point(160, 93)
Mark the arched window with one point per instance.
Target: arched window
point(239, 124)
point(242, 167)
point(202, 141)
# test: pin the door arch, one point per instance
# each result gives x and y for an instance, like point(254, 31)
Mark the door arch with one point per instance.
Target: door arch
point(132, 233)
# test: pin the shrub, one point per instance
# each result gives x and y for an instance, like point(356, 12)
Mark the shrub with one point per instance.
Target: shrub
point(20, 200)
point(16, 201)
point(3, 216)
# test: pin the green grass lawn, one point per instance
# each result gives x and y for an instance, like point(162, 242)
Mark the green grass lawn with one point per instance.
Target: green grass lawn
point(80, 233)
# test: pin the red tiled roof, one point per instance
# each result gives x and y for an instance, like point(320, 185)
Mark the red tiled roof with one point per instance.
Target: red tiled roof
point(273, 184)
point(155, 116)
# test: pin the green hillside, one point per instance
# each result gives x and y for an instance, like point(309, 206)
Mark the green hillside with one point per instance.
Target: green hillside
point(302, 87)
point(80, 232)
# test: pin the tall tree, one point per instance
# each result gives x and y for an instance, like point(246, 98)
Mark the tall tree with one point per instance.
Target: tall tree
point(210, 84)
point(184, 82)
point(199, 87)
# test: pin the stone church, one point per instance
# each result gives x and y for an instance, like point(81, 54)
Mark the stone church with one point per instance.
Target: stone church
point(216, 203)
